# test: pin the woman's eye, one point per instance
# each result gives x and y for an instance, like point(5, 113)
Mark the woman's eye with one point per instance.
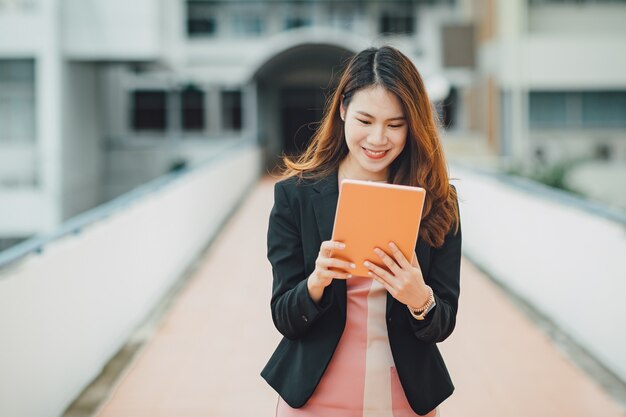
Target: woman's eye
point(400, 125)
point(365, 122)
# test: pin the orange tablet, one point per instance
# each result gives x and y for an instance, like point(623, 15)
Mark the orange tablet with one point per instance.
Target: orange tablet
point(371, 214)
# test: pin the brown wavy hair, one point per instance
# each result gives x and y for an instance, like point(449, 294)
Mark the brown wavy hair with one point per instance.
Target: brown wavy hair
point(421, 163)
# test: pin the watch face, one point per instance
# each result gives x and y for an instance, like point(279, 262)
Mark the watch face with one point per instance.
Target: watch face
point(430, 308)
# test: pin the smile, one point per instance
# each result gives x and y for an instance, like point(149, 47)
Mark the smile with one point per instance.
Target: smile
point(374, 155)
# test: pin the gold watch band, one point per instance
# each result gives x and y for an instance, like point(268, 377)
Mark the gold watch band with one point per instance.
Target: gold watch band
point(420, 313)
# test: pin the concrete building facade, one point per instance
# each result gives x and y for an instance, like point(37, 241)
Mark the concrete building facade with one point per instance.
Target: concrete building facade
point(100, 96)
point(552, 78)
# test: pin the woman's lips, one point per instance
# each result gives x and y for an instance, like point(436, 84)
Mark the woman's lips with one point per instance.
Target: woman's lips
point(374, 155)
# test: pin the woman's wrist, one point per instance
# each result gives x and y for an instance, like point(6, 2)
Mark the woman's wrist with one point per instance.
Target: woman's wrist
point(421, 312)
point(423, 302)
point(315, 287)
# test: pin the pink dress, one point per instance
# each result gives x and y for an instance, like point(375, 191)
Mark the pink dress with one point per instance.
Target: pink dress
point(361, 379)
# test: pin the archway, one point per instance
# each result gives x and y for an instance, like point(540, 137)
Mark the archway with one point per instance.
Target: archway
point(292, 88)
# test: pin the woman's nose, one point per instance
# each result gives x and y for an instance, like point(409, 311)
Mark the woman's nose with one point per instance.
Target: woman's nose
point(377, 137)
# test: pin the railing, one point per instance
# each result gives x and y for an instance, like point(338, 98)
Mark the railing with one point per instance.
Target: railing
point(37, 245)
point(70, 300)
point(559, 253)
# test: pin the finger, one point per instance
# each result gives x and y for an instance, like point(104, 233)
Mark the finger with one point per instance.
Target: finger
point(329, 274)
point(329, 245)
point(388, 286)
point(387, 260)
point(336, 263)
point(379, 271)
point(399, 256)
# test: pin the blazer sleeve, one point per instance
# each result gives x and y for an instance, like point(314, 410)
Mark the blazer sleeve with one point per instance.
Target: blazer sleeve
point(293, 309)
point(444, 279)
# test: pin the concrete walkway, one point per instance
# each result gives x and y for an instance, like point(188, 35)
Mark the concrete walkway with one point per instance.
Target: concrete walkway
point(205, 356)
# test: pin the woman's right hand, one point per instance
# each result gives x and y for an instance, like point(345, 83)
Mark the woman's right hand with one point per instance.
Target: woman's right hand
point(322, 276)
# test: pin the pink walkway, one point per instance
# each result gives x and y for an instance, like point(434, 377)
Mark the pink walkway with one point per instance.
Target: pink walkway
point(205, 358)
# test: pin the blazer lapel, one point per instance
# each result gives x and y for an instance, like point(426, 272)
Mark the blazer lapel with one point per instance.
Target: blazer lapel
point(325, 206)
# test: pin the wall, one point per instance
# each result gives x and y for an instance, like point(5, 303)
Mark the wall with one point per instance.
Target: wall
point(82, 150)
point(581, 61)
point(577, 18)
point(18, 165)
point(21, 211)
point(35, 208)
point(561, 254)
point(560, 144)
point(558, 47)
point(111, 29)
point(129, 165)
point(65, 312)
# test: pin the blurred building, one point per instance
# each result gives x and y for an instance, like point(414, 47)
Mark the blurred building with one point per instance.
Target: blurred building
point(97, 97)
point(551, 84)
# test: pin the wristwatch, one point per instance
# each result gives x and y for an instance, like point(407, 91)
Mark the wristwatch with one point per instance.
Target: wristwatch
point(420, 313)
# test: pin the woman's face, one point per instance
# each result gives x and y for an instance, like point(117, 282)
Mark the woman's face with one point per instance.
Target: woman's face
point(375, 130)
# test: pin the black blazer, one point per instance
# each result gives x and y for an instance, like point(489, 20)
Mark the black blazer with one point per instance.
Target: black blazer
point(302, 217)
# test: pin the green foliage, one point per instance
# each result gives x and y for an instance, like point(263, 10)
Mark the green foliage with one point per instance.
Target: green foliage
point(551, 174)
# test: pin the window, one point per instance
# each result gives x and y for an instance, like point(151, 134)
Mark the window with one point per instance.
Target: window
point(17, 100)
point(397, 23)
point(298, 15)
point(293, 22)
point(192, 109)
point(605, 109)
point(343, 17)
point(201, 19)
point(231, 110)
point(574, 110)
point(149, 110)
point(247, 24)
point(458, 45)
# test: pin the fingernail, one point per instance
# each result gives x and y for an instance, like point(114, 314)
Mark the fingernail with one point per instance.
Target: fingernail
point(341, 245)
point(349, 275)
point(366, 263)
point(353, 266)
point(392, 244)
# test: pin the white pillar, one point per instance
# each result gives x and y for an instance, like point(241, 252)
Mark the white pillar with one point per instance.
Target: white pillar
point(49, 98)
point(215, 109)
point(512, 24)
point(173, 107)
point(250, 110)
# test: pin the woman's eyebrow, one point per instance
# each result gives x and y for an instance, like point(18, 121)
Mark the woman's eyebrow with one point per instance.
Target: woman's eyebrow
point(392, 118)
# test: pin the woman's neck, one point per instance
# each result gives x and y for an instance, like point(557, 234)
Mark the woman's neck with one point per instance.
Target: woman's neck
point(345, 172)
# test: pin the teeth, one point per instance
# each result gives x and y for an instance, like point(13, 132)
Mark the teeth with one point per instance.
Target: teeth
point(375, 153)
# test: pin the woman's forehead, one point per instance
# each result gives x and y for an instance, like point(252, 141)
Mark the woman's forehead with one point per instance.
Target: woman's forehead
point(377, 102)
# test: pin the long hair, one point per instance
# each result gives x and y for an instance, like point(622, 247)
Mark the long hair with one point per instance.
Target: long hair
point(421, 163)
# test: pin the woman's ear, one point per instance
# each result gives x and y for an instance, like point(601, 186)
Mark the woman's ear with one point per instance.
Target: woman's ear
point(342, 109)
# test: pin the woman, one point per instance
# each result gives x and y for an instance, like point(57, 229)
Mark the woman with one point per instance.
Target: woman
point(364, 346)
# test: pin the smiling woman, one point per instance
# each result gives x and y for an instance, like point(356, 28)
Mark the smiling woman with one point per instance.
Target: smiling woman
point(364, 345)
point(374, 136)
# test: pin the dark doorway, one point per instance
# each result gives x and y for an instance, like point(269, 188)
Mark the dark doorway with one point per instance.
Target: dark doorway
point(292, 89)
point(301, 112)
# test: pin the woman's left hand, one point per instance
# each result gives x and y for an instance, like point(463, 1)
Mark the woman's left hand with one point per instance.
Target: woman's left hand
point(405, 282)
